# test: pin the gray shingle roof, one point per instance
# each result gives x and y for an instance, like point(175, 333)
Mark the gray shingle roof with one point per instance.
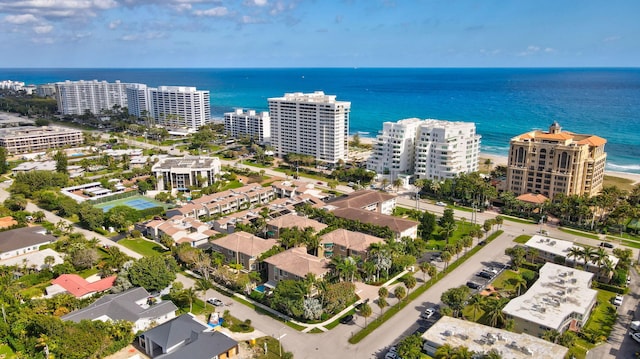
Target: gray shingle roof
point(174, 331)
point(122, 306)
point(24, 237)
point(203, 346)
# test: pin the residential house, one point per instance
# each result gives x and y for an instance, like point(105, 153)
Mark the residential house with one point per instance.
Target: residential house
point(399, 226)
point(186, 337)
point(560, 299)
point(344, 243)
point(368, 200)
point(78, 286)
point(133, 305)
point(20, 241)
point(295, 263)
point(181, 230)
point(291, 220)
point(243, 248)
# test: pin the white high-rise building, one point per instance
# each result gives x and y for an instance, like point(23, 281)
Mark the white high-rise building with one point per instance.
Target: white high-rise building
point(431, 149)
point(394, 148)
point(312, 124)
point(248, 123)
point(76, 97)
point(138, 100)
point(180, 106)
point(445, 149)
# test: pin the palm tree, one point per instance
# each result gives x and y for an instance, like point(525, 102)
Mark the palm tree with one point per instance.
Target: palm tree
point(519, 283)
point(382, 303)
point(384, 183)
point(365, 311)
point(432, 271)
point(493, 310)
point(587, 254)
point(475, 302)
point(190, 295)
point(424, 266)
point(400, 292)
point(575, 253)
point(599, 256)
point(202, 285)
point(383, 292)
point(551, 335)
point(446, 258)
point(607, 267)
point(397, 183)
point(445, 352)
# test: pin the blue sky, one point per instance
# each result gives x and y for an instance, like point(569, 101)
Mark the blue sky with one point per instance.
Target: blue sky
point(319, 33)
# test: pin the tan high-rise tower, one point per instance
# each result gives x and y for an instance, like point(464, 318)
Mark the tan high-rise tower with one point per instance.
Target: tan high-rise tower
point(556, 162)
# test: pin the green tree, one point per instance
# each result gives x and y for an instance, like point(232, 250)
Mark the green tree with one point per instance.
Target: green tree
point(61, 162)
point(153, 273)
point(475, 302)
point(456, 298)
point(427, 225)
point(382, 302)
point(519, 283)
point(410, 347)
point(517, 255)
point(365, 312)
point(400, 291)
point(4, 165)
point(383, 292)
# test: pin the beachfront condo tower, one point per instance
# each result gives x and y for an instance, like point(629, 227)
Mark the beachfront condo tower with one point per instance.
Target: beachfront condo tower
point(429, 149)
point(312, 124)
point(77, 97)
point(173, 107)
point(250, 124)
point(556, 162)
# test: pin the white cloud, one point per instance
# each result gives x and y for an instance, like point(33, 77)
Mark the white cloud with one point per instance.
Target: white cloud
point(56, 8)
point(218, 11)
point(42, 29)
point(114, 24)
point(256, 2)
point(42, 40)
point(20, 19)
point(151, 35)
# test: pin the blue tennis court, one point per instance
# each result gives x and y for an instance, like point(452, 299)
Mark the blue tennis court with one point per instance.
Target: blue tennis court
point(135, 202)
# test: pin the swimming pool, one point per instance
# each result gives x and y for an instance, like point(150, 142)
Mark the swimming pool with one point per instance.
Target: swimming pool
point(261, 288)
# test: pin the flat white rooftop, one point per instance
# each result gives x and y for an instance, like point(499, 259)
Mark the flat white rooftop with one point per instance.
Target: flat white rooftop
point(481, 339)
point(559, 247)
point(558, 292)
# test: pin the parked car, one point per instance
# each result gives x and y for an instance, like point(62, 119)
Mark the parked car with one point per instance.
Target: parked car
point(635, 326)
point(486, 275)
point(491, 271)
point(391, 355)
point(474, 285)
point(428, 313)
point(617, 301)
point(628, 280)
point(606, 245)
point(215, 301)
point(441, 204)
point(635, 336)
point(346, 319)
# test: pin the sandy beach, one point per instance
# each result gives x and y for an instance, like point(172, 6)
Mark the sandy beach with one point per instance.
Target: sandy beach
point(502, 160)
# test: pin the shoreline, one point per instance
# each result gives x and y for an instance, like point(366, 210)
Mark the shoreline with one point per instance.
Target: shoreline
point(502, 160)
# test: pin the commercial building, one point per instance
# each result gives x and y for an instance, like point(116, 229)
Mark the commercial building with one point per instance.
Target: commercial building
point(312, 124)
point(482, 339)
point(256, 126)
point(184, 172)
point(556, 162)
point(180, 106)
point(17, 140)
point(76, 97)
point(46, 90)
point(431, 149)
point(560, 299)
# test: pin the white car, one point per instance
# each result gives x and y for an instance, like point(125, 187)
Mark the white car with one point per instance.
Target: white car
point(428, 313)
point(215, 301)
point(635, 336)
point(617, 301)
point(441, 204)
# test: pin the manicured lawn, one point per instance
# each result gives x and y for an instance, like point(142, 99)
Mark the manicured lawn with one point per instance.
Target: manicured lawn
point(522, 239)
point(602, 319)
point(232, 185)
point(579, 234)
point(6, 352)
point(518, 220)
point(504, 281)
point(632, 244)
point(273, 348)
point(143, 246)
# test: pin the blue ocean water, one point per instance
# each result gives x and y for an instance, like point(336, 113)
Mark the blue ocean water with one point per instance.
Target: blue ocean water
point(502, 102)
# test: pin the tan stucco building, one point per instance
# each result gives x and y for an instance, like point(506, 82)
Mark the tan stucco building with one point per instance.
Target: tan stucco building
point(556, 162)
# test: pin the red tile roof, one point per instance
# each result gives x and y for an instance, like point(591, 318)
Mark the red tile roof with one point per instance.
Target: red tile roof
point(78, 286)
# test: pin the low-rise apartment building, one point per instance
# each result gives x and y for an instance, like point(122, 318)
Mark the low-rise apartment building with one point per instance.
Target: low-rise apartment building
point(368, 200)
point(181, 230)
point(17, 140)
point(225, 202)
point(243, 248)
point(344, 243)
point(560, 299)
point(559, 251)
point(482, 339)
point(275, 226)
point(295, 264)
point(182, 173)
point(399, 226)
